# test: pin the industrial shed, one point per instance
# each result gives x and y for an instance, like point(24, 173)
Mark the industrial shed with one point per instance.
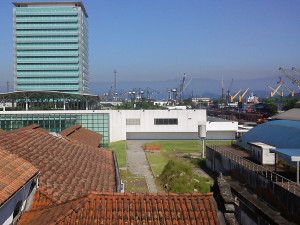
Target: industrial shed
point(278, 133)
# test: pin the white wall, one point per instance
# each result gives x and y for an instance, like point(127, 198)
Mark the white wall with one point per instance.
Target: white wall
point(187, 123)
point(221, 130)
point(162, 136)
point(220, 135)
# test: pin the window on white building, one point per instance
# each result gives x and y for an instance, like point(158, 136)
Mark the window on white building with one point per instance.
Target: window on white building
point(169, 121)
point(132, 121)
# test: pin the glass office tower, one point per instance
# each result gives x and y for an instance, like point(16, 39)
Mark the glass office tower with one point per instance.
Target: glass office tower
point(51, 46)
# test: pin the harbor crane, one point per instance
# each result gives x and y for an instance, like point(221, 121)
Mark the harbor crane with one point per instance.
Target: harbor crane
point(151, 91)
point(228, 92)
point(296, 71)
point(223, 89)
point(292, 93)
point(234, 96)
point(294, 80)
point(275, 90)
point(182, 87)
point(242, 96)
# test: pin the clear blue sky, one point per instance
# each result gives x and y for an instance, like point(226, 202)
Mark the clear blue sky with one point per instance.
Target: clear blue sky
point(162, 39)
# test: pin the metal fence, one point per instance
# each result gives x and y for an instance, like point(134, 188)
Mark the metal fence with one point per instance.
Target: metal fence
point(273, 177)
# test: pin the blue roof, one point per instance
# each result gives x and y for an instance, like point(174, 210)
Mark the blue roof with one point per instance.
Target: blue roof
point(288, 152)
point(284, 134)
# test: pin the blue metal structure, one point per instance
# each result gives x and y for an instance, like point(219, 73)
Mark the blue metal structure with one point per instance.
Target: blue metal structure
point(279, 133)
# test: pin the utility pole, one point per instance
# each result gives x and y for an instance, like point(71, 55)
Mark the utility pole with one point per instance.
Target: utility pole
point(7, 85)
point(115, 83)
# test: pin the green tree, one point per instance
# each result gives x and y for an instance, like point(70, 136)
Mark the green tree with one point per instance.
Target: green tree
point(270, 108)
point(290, 104)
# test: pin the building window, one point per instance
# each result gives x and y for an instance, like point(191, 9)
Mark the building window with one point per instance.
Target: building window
point(132, 121)
point(171, 121)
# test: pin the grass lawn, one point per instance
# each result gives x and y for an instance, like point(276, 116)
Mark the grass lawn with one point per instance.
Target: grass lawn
point(120, 149)
point(159, 160)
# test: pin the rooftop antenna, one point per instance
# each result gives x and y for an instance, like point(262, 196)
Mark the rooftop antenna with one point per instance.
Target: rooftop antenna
point(115, 83)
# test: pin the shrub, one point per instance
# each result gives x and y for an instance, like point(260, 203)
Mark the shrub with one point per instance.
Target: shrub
point(178, 177)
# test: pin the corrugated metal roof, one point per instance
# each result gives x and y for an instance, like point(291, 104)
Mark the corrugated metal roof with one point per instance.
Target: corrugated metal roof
point(279, 133)
point(293, 153)
point(292, 114)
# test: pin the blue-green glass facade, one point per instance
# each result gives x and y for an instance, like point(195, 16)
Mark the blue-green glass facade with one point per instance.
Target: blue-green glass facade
point(98, 122)
point(51, 47)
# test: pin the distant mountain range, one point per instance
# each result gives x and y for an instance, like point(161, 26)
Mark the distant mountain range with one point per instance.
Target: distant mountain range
point(198, 87)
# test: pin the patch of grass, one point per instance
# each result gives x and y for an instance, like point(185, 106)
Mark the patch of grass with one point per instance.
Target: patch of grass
point(178, 177)
point(133, 183)
point(159, 160)
point(120, 149)
point(199, 162)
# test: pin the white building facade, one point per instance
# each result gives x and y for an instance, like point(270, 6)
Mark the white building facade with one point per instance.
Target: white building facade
point(116, 125)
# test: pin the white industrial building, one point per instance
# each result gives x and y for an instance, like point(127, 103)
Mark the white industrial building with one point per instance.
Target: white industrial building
point(116, 125)
point(154, 124)
point(221, 129)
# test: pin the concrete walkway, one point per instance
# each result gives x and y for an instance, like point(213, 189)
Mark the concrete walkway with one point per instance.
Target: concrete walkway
point(137, 162)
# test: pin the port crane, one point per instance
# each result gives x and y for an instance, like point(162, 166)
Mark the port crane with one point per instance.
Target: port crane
point(296, 71)
point(294, 80)
point(183, 86)
point(292, 93)
point(228, 99)
point(151, 91)
point(242, 96)
point(223, 89)
point(234, 96)
point(275, 90)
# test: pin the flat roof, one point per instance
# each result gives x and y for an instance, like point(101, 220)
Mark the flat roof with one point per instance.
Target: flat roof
point(22, 4)
point(292, 114)
point(293, 153)
point(217, 119)
point(42, 93)
point(261, 144)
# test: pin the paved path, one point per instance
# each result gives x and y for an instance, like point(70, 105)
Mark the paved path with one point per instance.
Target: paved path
point(137, 162)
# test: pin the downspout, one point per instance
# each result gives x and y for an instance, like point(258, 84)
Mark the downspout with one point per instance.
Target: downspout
point(117, 172)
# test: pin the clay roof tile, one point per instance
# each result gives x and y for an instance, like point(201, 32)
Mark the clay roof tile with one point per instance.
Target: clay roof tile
point(68, 169)
point(105, 208)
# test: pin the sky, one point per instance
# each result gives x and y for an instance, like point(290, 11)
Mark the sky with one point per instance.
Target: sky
point(162, 39)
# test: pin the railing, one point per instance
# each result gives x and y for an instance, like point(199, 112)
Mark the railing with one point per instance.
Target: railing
point(273, 177)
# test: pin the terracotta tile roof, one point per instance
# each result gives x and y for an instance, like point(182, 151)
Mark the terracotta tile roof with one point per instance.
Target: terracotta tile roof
point(79, 133)
point(32, 127)
point(129, 208)
point(41, 200)
point(68, 169)
point(2, 131)
point(14, 173)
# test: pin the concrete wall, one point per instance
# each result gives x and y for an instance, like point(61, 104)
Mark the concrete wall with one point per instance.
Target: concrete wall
point(286, 201)
point(220, 135)
point(262, 155)
point(221, 130)
point(187, 127)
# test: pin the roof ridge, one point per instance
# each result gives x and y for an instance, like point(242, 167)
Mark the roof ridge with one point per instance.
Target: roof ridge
point(148, 194)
